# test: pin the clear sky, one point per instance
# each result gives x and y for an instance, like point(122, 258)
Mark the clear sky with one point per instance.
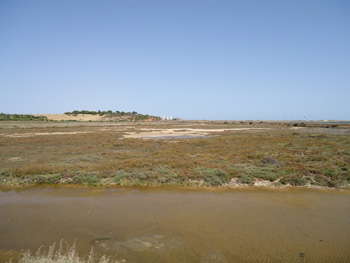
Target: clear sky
point(195, 59)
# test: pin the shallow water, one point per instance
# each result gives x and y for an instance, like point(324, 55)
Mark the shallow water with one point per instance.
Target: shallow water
point(172, 225)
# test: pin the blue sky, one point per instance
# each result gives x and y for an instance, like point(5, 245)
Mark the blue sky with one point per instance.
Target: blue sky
point(195, 59)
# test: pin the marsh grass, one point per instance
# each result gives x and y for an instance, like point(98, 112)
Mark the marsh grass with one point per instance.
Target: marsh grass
point(92, 158)
point(212, 176)
point(265, 173)
point(246, 179)
point(86, 178)
point(47, 178)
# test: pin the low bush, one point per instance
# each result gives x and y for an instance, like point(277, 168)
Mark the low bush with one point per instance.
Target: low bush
point(320, 180)
point(120, 175)
point(166, 175)
point(265, 173)
point(212, 176)
point(47, 179)
point(269, 160)
point(295, 180)
point(246, 179)
point(90, 178)
point(5, 173)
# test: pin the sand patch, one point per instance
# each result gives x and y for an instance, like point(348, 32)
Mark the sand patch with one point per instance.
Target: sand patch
point(180, 133)
point(14, 158)
point(79, 117)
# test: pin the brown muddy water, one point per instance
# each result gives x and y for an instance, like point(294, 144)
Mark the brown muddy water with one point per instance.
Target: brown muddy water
point(172, 225)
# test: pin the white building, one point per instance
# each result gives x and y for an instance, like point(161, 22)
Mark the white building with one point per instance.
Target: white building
point(166, 118)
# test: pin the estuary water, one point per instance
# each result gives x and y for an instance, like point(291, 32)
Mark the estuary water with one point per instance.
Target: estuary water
point(176, 225)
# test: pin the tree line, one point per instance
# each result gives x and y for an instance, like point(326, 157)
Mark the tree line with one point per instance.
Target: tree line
point(21, 117)
point(101, 113)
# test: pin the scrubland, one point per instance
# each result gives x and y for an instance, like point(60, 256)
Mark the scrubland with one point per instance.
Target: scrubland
point(273, 154)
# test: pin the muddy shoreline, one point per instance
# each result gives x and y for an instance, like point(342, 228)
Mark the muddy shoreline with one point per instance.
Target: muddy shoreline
point(177, 187)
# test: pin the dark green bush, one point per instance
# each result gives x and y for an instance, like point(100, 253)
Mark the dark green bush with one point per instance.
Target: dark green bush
point(284, 180)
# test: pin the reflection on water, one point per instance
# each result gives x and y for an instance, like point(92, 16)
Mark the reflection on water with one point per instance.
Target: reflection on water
point(155, 225)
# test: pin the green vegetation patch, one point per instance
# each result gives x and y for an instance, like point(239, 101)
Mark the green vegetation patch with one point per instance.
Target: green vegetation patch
point(295, 180)
point(47, 178)
point(168, 176)
point(212, 176)
point(120, 176)
point(86, 178)
point(265, 173)
point(246, 179)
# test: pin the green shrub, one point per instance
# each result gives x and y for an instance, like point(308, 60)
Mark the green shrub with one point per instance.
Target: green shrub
point(284, 180)
point(170, 179)
point(320, 180)
point(90, 178)
point(78, 179)
point(166, 175)
point(265, 173)
point(212, 176)
point(141, 175)
point(246, 179)
point(332, 183)
point(5, 173)
point(299, 181)
point(47, 178)
point(120, 175)
point(269, 161)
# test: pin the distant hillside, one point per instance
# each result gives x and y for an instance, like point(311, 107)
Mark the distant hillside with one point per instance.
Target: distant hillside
point(114, 116)
point(82, 115)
